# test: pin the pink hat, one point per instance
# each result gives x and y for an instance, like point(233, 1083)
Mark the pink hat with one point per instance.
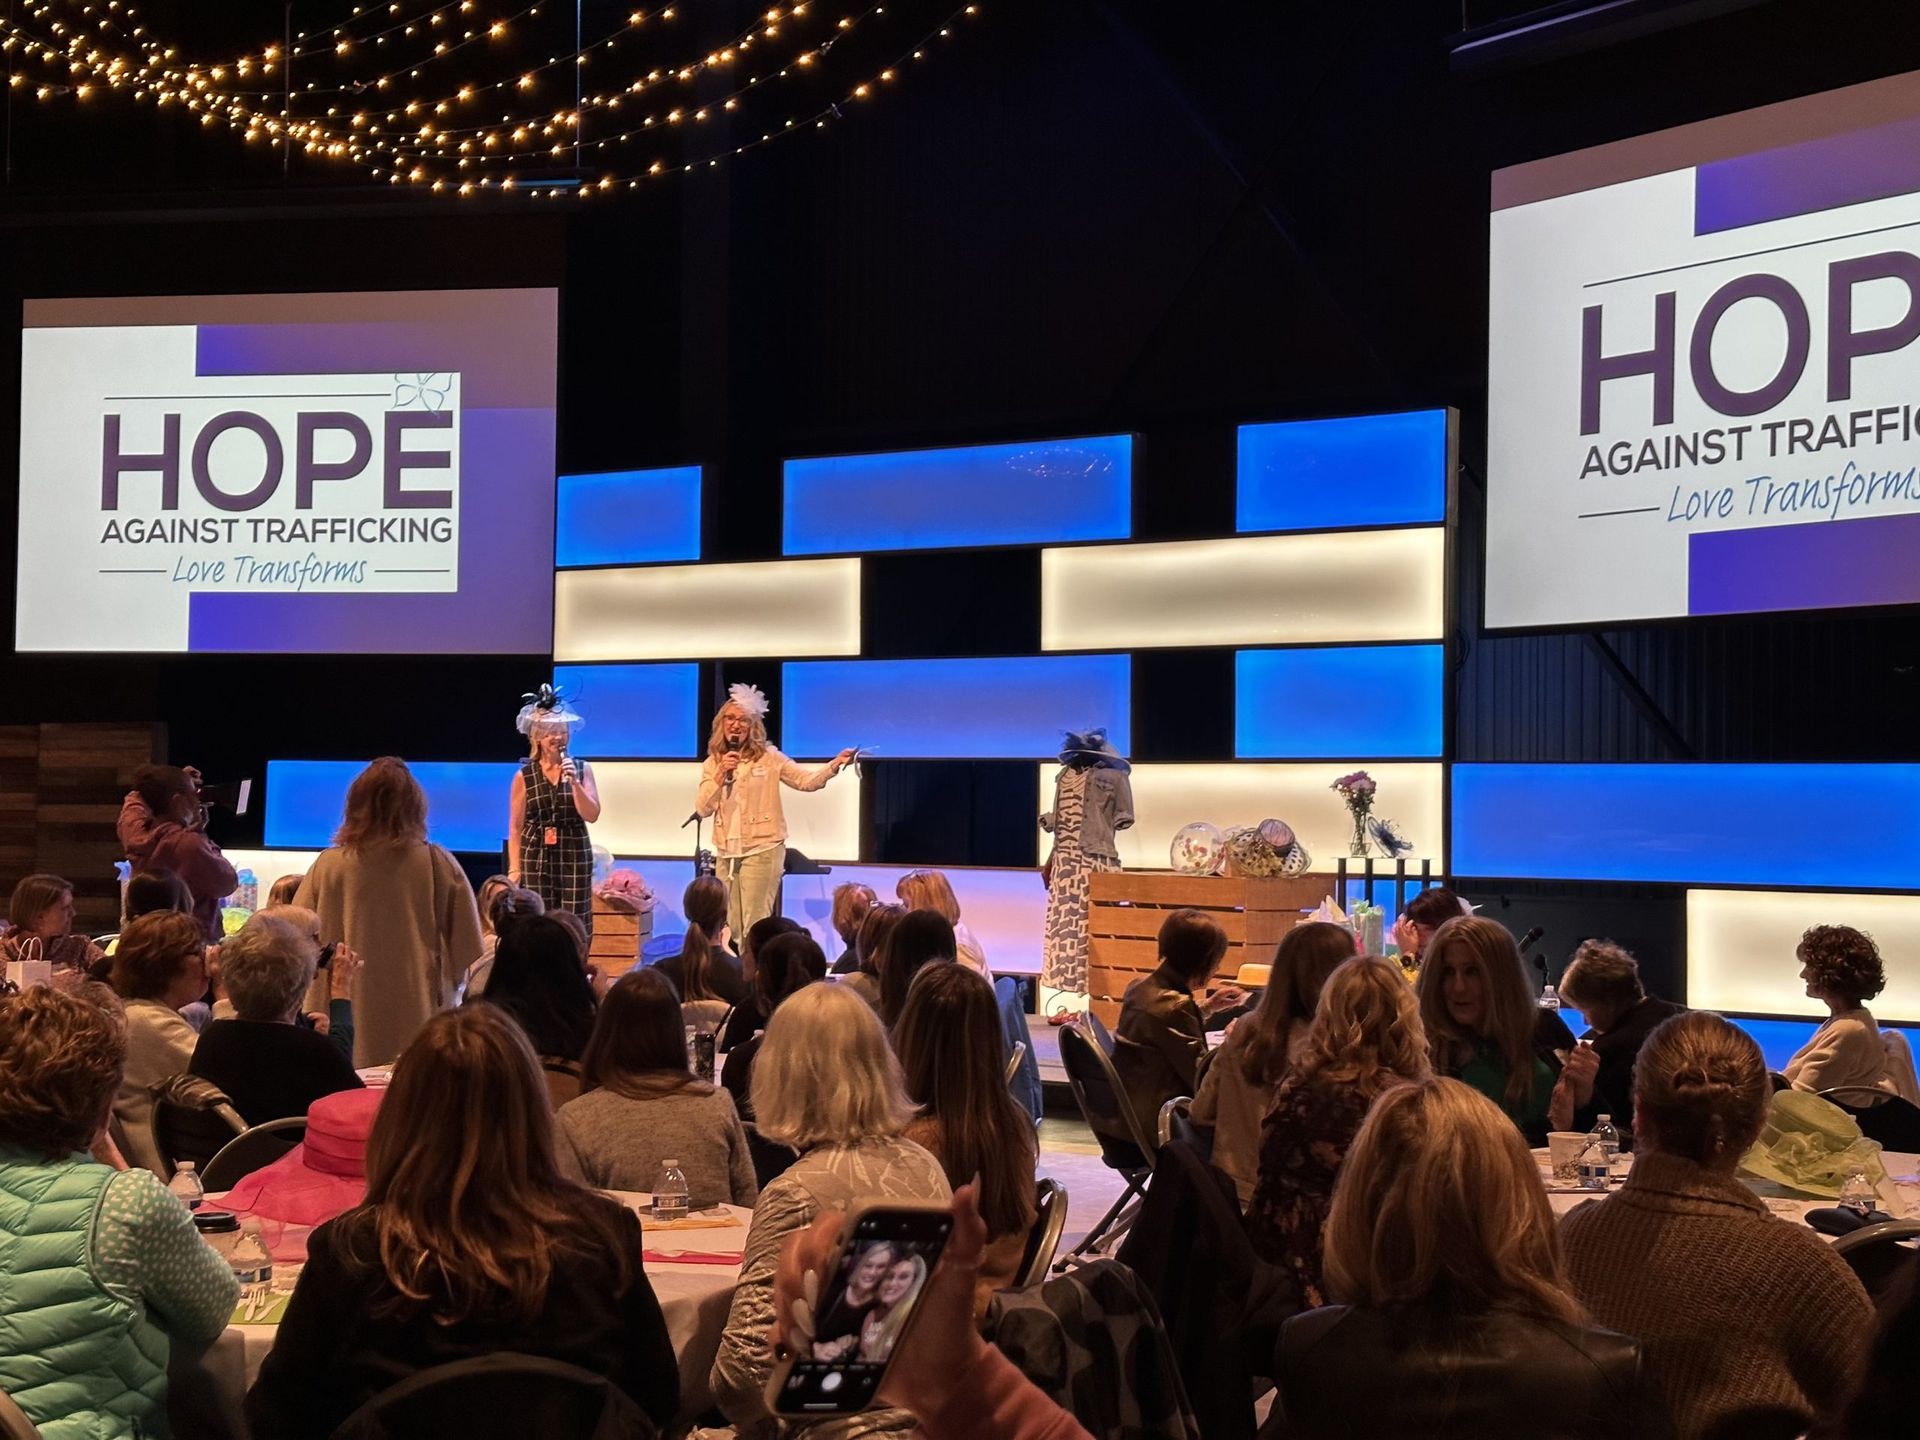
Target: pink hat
point(323, 1176)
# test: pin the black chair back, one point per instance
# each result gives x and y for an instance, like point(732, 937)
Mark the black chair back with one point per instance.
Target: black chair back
point(192, 1120)
point(250, 1150)
point(770, 1158)
point(1884, 1117)
point(1049, 1221)
point(1103, 1101)
point(1881, 1255)
point(502, 1396)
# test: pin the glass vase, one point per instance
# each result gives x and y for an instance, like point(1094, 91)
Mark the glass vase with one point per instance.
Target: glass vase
point(1357, 846)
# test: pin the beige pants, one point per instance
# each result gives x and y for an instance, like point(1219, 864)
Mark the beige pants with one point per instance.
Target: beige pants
point(753, 888)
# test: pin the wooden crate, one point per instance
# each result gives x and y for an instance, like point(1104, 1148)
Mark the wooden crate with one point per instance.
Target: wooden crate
point(617, 937)
point(1129, 906)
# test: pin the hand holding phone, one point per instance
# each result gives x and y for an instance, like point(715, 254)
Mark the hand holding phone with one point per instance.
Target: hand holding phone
point(848, 1290)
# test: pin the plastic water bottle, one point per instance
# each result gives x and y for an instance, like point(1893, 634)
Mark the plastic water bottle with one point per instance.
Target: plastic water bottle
point(670, 1192)
point(1596, 1161)
point(1549, 998)
point(186, 1185)
point(251, 1262)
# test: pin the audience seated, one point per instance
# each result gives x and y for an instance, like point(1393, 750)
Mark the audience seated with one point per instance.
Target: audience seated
point(705, 969)
point(1365, 1038)
point(1426, 912)
point(1162, 1031)
point(1753, 1325)
point(870, 950)
point(750, 1014)
point(1602, 982)
point(787, 964)
point(41, 916)
point(501, 907)
point(159, 965)
point(922, 937)
point(950, 1048)
point(1485, 1026)
point(268, 1065)
point(1454, 1321)
point(943, 1373)
point(1843, 971)
point(470, 1243)
point(930, 890)
point(101, 1270)
point(1237, 1080)
point(851, 902)
point(282, 891)
point(474, 982)
point(163, 826)
point(1884, 1406)
point(149, 891)
point(400, 901)
point(539, 979)
point(328, 1008)
point(827, 1084)
point(642, 1106)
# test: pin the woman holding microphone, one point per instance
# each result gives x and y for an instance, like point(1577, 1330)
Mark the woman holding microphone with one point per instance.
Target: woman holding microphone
point(553, 801)
point(740, 788)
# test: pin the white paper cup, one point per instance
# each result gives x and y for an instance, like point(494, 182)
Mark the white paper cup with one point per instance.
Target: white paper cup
point(1563, 1153)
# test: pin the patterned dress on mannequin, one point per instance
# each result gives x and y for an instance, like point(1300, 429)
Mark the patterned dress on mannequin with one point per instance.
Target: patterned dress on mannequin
point(1063, 964)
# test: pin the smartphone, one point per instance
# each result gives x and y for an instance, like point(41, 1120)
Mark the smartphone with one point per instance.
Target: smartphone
point(868, 1295)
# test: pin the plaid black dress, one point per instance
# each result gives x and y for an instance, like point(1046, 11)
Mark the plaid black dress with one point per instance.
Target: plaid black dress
point(556, 859)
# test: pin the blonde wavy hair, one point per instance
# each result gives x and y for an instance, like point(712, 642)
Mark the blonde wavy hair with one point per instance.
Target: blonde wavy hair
point(757, 743)
point(1439, 1212)
point(1510, 1012)
point(825, 1074)
point(1366, 1030)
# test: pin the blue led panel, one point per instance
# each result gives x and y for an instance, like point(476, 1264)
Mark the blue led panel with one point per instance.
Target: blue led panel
point(1364, 701)
point(1029, 494)
point(627, 517)
point(984, 709)
point(1340, 474)
point(1843, 826)
point(633, 712)
point(466, 802)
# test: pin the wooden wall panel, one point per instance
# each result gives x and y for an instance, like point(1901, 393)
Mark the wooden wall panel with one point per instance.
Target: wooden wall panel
point(60, 792)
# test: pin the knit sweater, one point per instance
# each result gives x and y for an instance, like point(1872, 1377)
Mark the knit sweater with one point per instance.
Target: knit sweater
point(1736, 1310)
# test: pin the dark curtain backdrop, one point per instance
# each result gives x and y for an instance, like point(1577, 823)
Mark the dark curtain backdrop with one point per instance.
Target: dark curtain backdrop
point(1081, 216)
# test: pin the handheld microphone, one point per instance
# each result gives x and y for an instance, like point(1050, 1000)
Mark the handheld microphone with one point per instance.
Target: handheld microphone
point(1532, 938)
point(733, 748)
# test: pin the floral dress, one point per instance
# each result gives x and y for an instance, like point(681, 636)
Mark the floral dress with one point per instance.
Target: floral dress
point(1063, 962)
point(1302, 1144)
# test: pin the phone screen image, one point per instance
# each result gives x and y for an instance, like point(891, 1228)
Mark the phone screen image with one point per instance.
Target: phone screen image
point(863, 1309)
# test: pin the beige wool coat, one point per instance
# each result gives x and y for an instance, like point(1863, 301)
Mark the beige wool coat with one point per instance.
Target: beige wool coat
point(409, 913)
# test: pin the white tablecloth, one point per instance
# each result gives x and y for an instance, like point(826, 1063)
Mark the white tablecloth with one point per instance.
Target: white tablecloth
point(1899, 1193)
point(209, 1394)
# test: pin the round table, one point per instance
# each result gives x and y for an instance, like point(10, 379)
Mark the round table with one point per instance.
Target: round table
point(1899, 1193)
point(208, 1392)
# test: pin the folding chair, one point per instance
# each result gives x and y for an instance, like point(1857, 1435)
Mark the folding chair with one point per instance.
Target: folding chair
point(250, 1150)
point(192, 1120)
point(1049, 1222)
point(1881, 1115)
point(1125, 1146)
point(1880, 1254)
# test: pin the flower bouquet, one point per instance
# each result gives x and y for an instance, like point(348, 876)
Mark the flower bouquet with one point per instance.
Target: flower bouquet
point(1357, 789)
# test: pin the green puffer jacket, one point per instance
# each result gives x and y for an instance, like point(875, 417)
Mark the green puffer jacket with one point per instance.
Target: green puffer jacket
point(110, 1380)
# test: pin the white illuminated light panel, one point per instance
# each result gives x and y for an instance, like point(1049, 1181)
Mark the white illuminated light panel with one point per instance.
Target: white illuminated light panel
point(1323, 588)
point(1166, 797)
point(694, 612)
point(1741, 943)
point(643, 803)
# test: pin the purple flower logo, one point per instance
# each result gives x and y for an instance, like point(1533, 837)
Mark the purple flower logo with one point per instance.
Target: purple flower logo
point(426, 391)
